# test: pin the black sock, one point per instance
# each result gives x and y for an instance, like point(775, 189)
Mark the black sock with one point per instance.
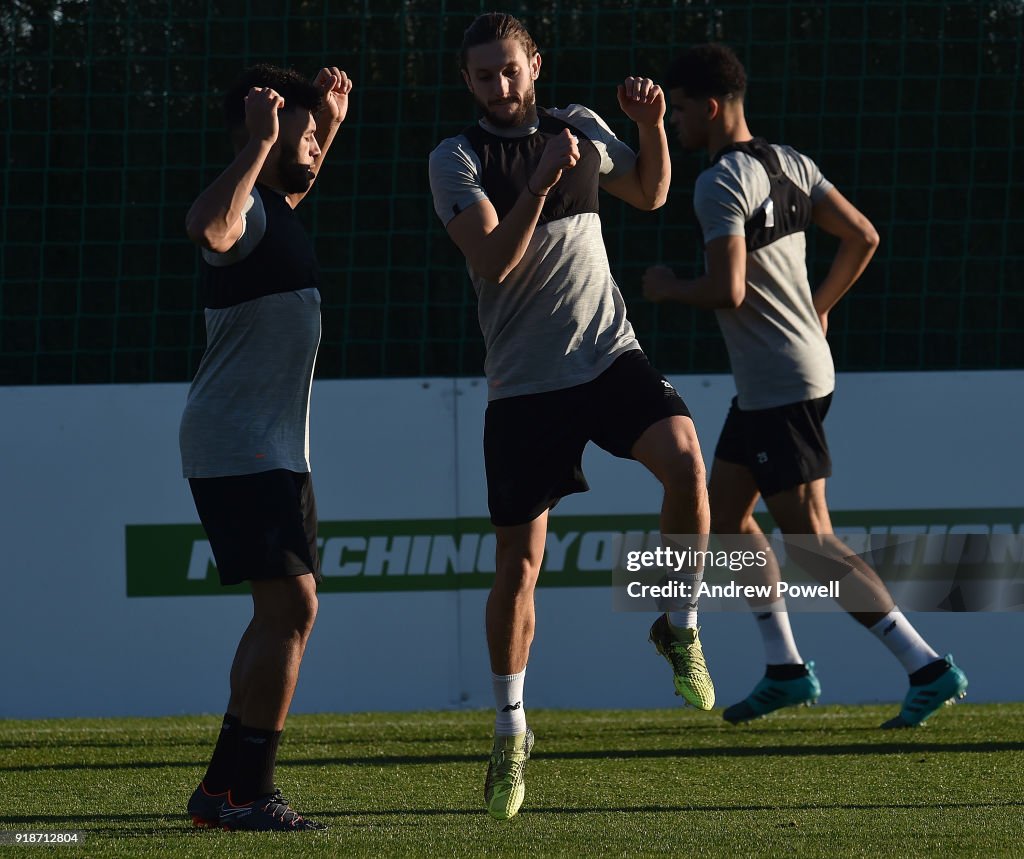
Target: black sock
point(932, 671)
point(254, 772)
point(222, 764)
point(786, 672)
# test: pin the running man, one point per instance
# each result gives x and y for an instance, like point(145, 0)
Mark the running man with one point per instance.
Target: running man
point(754, 203)
point(245, 431)
point(518, 194)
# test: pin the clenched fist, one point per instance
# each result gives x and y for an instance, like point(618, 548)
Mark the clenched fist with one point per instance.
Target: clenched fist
point(261, 107)
point(560, 153)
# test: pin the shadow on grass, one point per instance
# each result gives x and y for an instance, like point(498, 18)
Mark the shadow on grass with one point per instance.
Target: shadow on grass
point(202, 744)
point(113, 825)
point(60, 744)
point(671, 809)
point(596, 754)
point(100, 824)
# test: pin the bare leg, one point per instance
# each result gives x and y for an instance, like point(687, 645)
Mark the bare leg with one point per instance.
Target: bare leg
point(510, 608)
point(804, 511)
point(733, 495)
point(670, 451)
point(266, 665)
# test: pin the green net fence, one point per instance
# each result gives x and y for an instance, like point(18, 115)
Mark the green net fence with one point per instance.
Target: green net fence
point(111, 126)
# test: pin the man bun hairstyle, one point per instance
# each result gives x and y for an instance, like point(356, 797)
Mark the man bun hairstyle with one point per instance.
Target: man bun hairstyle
point(707, 71)
point(297, 92)
point(495, 27)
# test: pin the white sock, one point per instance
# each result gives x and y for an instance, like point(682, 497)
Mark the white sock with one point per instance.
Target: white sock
point(898, 634)
point(510, 715)
point(776, 634)
point(686, 618)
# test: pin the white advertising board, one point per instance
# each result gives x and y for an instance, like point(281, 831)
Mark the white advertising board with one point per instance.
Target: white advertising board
point(110, 606)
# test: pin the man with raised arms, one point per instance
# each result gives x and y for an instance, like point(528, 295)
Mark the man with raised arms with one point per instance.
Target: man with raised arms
point(518, 194)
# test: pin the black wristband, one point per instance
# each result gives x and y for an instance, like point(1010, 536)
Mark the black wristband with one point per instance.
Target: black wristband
point(528, 188)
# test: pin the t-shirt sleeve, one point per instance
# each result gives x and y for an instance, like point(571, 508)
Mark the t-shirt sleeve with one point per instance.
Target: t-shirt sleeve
point(454, 178)
point(720, 204)
point(806, 173)
point(820, 186)
point(616, 157)
point(254, 226)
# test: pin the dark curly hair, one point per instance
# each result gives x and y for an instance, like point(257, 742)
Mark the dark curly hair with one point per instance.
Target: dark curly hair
point(296, 91)
point(495, 27)
point(707, 71)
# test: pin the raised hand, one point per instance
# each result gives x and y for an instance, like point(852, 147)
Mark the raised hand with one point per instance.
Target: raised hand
point(334, 86)
point(560, 153)
point(642, 100)
point(261, 107)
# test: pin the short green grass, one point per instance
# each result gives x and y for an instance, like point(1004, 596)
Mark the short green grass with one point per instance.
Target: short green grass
point(810, 782)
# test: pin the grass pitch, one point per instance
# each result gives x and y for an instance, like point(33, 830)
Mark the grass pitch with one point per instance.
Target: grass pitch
point(817, 782)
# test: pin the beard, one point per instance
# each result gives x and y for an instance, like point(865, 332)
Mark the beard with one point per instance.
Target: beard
point(524, 106)
point(296, 177)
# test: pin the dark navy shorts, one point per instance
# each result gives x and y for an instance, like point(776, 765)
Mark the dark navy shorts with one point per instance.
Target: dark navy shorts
point(533, 444)
point(784, 447)
point(260, 526)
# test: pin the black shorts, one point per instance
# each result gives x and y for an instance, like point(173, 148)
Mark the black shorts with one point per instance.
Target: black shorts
point(533, 444)
point(260, 526)
point(783, 447)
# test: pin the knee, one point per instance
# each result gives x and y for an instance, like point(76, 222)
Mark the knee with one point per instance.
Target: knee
point(683, 474)
point(517, 575)
point(293, 612)
point(305, 613)
point(300, 614)
point(303, 610)
point(516, 571)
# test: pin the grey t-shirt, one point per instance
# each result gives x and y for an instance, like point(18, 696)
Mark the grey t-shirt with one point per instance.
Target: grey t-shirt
point(558, 319)
point(248, 406)
point(776, 347)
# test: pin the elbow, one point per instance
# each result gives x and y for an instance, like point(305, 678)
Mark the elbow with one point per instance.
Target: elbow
point(865, 234)
point(198, 232)
point(197, 236)
point(735, 296)
point(865, 243)
point(860, 241)
point(656, 201)
point(195, 227)
point(206, 238)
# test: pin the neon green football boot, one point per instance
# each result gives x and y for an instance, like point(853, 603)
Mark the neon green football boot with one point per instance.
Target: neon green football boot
point(505, 786)
point(685, 655)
